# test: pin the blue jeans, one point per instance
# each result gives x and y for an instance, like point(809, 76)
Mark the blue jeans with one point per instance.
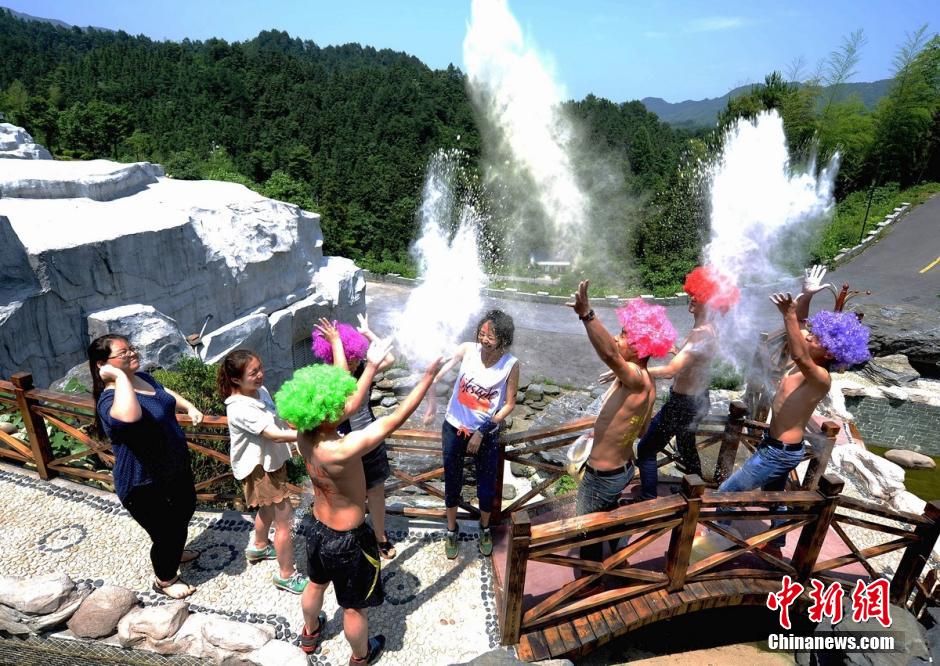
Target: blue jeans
point(486, 460)
point(767, 469)
point(677, 418)
point(600, 491)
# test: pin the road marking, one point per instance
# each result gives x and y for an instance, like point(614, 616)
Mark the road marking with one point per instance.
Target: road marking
point(930, 265)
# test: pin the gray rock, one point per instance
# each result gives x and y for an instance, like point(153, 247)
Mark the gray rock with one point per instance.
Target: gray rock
point(520, 397)
point(910, 640)
point(160, 341)
point(502, 657)
point(8, 428)
point(550, 389)
point(17, 144)
point(533, 393)
point(396, 373)
point(879, 477)
point(403, 385)
point(389, 401)
point(538, 405)
point(74, 381)
point(100, 612)
point(910, 459)
point(384, 385)
point(273, 653)
point(509, 492)
point(904, 329)
point(251, 332)
point(376, 396)
point(36, 595)
point(233, 636)
point(16, 622)
point(522, 471)
point(152, 622)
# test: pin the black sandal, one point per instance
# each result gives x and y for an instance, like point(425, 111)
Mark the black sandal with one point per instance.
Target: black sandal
point(376, 645)
point(310, 642)
point(387, 549)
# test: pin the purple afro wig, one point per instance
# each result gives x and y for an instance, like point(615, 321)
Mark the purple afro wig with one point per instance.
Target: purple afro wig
point(355, 344)
point(842, 335)
point(648, 329)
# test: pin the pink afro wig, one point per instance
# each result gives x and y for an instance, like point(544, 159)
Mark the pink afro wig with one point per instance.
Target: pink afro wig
point(843, 336)
point(712, 287)
point(649, 330)
point(355, 344)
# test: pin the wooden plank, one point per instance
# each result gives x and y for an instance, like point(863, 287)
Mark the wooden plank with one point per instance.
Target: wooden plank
point(644, 612)
point(549, 431)
point(603, 534)
point(655, 602)
point(17, 445)
point(65, 470)
point(585, 635)
point(575, 526)
point(535, 490)
point(715, 498)
point(553, 600)
point(598, 623)
point(596, 601)
point(553, 641)
point(13, 455)
point(871, 525)
point(873, 551)
point(570, 637)
point(532, 647)
point(628, 615)
point(614, 622)
point(535, 464)
point(852, 547)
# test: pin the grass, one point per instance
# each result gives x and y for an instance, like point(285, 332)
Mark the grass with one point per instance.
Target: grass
point(565, 484)
point(925, 483)
point(846, 225)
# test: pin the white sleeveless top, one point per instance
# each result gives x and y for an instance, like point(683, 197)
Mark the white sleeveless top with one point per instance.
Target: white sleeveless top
point(479, 392)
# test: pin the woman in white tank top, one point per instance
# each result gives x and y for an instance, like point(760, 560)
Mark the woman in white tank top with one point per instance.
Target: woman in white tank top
point(484, 395)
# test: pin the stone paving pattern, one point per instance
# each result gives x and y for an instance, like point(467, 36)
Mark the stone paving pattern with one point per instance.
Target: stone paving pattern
point(435, 610)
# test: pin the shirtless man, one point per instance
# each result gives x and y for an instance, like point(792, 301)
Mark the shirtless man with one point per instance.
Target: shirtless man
point(341, 547)
point(709, 293)
point(627, 404)
point(836, 339)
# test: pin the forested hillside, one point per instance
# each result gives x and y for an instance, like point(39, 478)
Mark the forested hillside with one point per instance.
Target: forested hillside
point(347, 131)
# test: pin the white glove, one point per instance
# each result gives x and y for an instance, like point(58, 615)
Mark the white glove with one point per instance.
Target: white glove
point(812, 279)
point(378, 350)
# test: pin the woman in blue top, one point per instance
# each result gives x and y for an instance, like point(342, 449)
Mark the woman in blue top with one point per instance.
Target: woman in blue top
point(152, 475)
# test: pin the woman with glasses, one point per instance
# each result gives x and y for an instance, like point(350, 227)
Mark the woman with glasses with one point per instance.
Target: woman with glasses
point(259, 452)
point(484, 395)
point(152, 474)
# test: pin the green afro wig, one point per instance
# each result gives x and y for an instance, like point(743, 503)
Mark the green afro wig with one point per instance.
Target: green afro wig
point(314, 395)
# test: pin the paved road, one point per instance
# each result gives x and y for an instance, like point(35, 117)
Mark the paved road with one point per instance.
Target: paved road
point(550, 341)
point(891, 269)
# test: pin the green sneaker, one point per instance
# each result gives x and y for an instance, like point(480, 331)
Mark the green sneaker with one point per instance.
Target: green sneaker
point(257, 554)
point(295, 583)
point(486, 542)
point(450, 544)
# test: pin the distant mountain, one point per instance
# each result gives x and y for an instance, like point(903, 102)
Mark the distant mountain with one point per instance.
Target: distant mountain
point(704, 112)
point(39, 19)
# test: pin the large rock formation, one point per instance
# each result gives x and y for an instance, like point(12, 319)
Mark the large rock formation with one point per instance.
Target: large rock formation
point(17, 144)
point(77, 238)
point(905, 329)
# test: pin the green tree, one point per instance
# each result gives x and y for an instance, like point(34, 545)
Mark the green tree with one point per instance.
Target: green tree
point(96, 127)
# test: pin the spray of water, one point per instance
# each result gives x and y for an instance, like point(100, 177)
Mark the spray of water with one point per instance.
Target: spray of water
point(439, 309)
point(764, 210)
point(520, 103)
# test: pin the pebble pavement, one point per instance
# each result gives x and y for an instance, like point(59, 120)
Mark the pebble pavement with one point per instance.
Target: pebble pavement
point(436, 611)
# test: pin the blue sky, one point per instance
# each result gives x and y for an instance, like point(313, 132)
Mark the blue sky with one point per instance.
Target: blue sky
point(619, 49)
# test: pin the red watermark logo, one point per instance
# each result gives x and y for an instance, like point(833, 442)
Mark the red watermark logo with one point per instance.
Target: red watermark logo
point(869, 601)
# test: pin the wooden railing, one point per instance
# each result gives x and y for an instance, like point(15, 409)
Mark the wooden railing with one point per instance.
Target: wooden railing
point(812, 512)
point(72, 414)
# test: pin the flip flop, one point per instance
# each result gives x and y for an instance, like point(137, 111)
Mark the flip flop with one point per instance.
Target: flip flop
point(387, 549)
point(167, 589)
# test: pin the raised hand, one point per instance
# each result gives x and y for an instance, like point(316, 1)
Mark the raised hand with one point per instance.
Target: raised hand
point(327, 329)
point(581, 304)
point(812, 279)
point(605, 377)
point(378, 350)
point(785, 302)
point(364, 326)
point(435, 366)
point(109, 373)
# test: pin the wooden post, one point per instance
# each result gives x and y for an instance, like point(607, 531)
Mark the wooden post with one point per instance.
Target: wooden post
point(915, 556)
point(35, 426)
point(814, 533)
point(496, 512)
point(730, 440)
point(680, 542)
point(822, 451)
point(516, 561)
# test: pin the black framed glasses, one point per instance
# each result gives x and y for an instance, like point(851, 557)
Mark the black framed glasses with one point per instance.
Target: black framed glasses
point(124, 353)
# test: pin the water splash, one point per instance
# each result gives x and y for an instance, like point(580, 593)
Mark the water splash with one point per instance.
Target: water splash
point(763, 208)
point(764, 211)
point(520, 102)
point(442, 305)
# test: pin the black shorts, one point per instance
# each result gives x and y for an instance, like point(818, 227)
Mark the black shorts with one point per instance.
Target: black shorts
point(375, 464)
point(349, 560)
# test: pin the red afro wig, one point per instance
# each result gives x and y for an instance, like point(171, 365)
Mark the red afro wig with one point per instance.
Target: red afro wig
point(708, 285)
point(648, 329)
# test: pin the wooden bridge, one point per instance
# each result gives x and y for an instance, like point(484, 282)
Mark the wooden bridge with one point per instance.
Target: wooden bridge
point(551, 602)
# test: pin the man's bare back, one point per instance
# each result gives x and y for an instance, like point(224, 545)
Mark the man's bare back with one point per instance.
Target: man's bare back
point(623, 415)
point(695, 374)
